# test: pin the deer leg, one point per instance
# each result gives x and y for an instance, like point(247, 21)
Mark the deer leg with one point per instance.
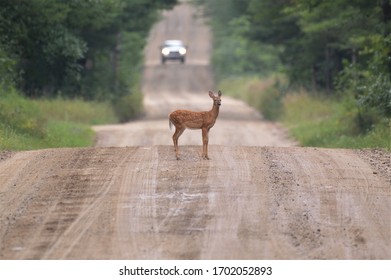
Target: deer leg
point(178, 132)
point(205, 139)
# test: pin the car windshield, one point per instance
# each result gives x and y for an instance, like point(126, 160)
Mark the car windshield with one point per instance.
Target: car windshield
point(173, 43)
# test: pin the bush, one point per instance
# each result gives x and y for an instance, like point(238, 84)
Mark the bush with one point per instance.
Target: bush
point(20, 115)
point(323, 121)
point(128, 107)
point(271, 103)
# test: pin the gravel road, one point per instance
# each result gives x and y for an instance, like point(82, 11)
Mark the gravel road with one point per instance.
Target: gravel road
point(259, 197)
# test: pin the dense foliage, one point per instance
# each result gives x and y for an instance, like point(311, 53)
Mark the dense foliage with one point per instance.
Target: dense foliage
point(76, 48)
point(340, 46)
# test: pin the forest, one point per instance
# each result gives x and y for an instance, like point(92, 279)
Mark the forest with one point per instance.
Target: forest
point(89, 49)
point(339, 50)
point(68, 64)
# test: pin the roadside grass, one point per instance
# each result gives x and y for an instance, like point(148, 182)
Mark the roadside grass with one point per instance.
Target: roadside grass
point(315, 120)
point(48, 123)
point(249, 88)
point(264, 94)
point(76, 111)
point(330, 122)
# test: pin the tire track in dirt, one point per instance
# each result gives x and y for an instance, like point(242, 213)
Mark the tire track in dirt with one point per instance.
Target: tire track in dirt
point(163, 206)
point(65, 195)
point(15, 198)
point(240, 201)
point(329, 201)
point(227, 195)
point(184, 216)
point(96, 185)
point(136, 211)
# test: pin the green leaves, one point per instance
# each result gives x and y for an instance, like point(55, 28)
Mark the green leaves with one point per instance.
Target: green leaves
point(341, 46)
point(74, 48)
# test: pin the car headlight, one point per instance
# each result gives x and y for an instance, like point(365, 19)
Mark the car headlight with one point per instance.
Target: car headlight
point(165, 51)
point(182, 51)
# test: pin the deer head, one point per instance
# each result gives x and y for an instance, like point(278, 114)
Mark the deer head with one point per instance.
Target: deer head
point(216, 99)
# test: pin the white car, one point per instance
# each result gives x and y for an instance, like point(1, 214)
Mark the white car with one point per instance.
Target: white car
point(173, 50)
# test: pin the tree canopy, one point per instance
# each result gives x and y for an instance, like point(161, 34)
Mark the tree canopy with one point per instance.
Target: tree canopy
point(85, 48)
point(341, 45)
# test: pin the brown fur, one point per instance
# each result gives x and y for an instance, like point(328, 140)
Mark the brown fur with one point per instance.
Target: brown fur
point(205, 120)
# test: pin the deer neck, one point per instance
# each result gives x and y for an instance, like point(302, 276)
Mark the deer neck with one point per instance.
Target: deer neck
point(215, 111)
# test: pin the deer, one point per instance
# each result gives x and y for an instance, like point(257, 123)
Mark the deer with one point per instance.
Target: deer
point(204, 120)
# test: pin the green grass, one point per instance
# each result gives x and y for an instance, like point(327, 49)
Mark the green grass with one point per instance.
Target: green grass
point(76, 111)
point(249, 89)
point(329, 122)
point(265, 94)
point(35, 124)
point(58, 134)
point(313, 119)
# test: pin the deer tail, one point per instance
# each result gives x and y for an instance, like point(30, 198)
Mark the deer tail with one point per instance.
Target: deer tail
point(169, 123)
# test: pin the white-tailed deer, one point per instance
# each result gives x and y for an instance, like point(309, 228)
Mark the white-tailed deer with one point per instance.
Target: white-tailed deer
point(205, 120)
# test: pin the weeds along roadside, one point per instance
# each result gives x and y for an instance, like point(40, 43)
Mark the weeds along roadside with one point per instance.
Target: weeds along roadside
point(28, 124)
point(313, 119)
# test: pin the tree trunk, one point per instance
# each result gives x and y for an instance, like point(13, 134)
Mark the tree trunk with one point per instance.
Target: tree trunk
point(327, 70)
point(115, 61)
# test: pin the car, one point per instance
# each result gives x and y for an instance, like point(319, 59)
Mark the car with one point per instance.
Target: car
point(173, 50)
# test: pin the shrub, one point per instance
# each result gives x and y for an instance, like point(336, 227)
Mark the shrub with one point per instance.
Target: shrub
point(20, 115)
point(271, 103)
point(128, 107)
point(34, 124)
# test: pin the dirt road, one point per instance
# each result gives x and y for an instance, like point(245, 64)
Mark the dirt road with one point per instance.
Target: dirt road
point(259, 197)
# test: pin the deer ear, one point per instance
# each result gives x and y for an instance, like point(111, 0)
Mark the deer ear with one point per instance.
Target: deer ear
point(220, 93)
point(211, 94)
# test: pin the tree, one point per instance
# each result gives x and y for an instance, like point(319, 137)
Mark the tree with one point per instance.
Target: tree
point(341, 45)
point(72, 47)
point(47, 52)
point(235, 53)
